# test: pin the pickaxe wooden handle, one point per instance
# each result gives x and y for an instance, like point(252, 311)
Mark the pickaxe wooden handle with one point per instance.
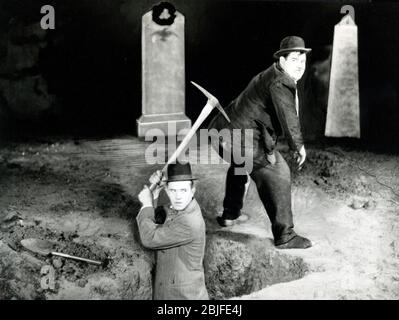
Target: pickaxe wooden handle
point(210, 105)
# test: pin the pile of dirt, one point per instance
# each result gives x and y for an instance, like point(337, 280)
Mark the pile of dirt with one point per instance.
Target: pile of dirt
point(124, 274)
point(333, 171)
point(63, 242)
point(76, 271)
point(238, 264)
point(19, 275)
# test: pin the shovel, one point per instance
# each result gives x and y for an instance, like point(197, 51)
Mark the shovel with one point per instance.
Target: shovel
point(45, 247)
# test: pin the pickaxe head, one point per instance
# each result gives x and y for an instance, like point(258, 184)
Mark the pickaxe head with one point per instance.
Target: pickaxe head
point(212, 100)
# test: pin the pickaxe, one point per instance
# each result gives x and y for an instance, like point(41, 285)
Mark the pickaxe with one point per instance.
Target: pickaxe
point(210, 105)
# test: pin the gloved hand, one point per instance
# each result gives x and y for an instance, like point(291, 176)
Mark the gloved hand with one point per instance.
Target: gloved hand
point(146, 198)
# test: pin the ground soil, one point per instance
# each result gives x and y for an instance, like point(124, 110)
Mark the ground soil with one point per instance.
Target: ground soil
point(82, 194)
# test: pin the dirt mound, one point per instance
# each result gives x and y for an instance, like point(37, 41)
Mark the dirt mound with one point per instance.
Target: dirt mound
point(238, 264)
point(63, 243)
point(19, 275)
point(124, 274)
point(338, 173)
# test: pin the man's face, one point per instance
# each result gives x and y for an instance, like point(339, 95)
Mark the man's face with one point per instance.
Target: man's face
point(180, 193)
point(294, 64)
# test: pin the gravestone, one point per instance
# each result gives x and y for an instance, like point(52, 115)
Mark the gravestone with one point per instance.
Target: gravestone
point(163, 71)
point(343, 111)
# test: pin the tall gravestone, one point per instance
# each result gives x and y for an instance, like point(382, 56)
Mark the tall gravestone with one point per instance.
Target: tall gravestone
point(163, 71)
point(343, 111)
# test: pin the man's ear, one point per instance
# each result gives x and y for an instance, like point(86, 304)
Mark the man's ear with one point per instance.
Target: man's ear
point(281, 60)
point(193, 189)
point(166, 189)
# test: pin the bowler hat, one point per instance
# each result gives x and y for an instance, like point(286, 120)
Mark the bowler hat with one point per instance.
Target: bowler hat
point(179, 172)
point(290, 44)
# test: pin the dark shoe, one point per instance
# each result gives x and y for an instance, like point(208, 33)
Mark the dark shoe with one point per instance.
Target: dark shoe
point(296, 242)
point(230, 222)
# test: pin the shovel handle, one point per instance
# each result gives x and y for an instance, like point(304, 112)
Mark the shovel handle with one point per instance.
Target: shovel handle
point(76, 258)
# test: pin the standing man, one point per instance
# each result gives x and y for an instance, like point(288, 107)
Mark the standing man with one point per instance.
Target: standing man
point(269, 106)
point(177, 232)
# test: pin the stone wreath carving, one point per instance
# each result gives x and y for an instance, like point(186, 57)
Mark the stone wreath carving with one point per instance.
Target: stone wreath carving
point(164, 14)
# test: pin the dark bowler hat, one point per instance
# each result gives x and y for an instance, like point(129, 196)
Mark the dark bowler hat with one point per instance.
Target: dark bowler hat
point(290, 44)
point(179, 172)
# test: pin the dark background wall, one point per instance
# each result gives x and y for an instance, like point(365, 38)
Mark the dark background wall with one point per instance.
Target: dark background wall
point(90, 66)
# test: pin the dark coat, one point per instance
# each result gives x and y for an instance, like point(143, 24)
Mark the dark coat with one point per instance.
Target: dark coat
point(267, 105)
point(180, 243)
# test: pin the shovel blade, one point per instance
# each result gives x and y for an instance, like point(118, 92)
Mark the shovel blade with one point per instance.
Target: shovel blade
point(42, 247)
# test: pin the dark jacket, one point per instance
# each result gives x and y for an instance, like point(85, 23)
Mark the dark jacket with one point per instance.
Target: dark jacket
point(267, 105)
point(180, 244)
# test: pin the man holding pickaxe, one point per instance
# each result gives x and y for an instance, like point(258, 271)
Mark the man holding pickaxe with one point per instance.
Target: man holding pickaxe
point(177, 230)
point(269, 107)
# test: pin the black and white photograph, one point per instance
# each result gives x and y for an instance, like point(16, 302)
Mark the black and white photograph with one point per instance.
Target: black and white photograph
point(213, 150)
